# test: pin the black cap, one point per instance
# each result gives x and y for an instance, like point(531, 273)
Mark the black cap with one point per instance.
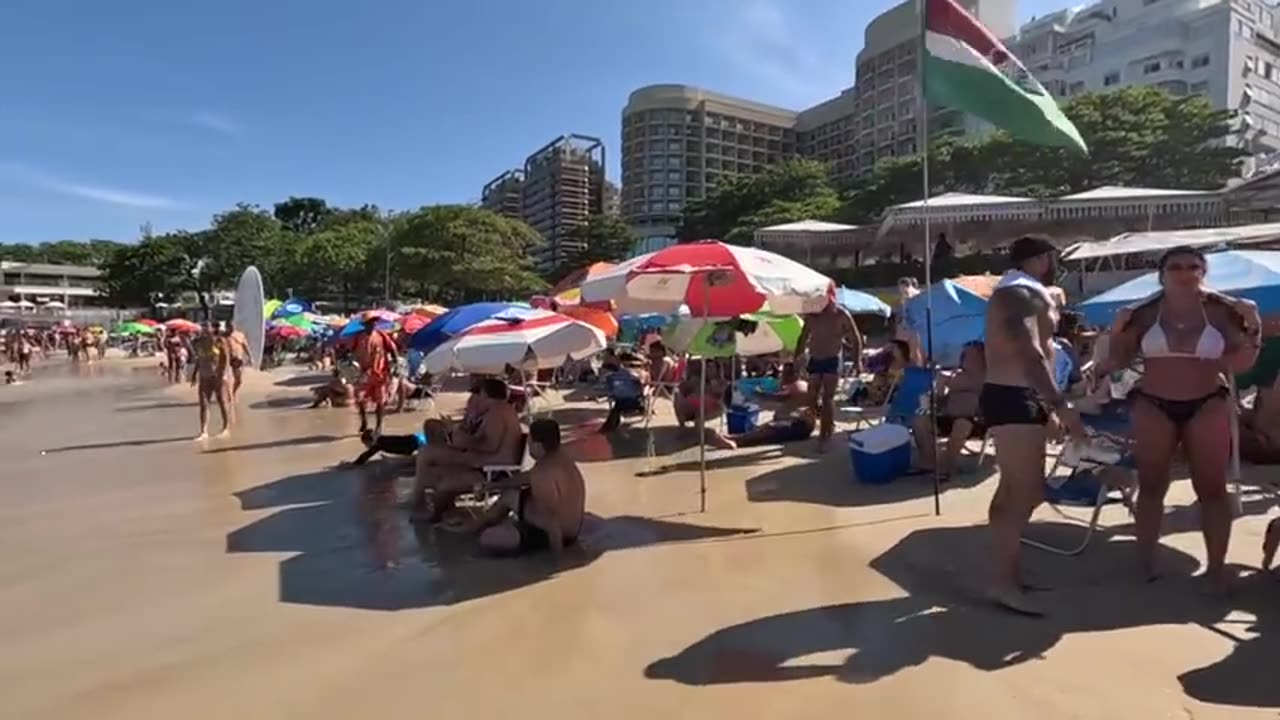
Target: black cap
point(1027, 247)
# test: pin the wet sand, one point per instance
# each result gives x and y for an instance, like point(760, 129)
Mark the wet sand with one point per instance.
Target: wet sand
point(144, 576)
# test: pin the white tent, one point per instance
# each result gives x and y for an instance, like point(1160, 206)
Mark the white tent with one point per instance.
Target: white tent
point(800, 239)
point(54, 305)
point(1158, 241)
point(26, 305)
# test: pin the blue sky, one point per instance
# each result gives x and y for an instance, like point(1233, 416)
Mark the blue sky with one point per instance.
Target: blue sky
point(117, 113)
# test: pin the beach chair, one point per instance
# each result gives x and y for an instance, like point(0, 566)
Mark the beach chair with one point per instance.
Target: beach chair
point(484, 492)
point(1108, 446)
point(862, 416)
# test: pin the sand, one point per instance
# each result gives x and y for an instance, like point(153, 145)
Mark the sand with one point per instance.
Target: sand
point(146, 576)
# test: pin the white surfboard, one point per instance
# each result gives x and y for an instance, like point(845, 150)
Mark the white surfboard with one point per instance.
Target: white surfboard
point(248, 315)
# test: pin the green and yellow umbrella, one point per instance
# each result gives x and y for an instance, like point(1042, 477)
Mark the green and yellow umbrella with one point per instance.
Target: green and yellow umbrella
point(134, 328)
point(757, 334)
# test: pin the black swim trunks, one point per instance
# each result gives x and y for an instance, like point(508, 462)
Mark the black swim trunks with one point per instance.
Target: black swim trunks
point(532, 538)
point(1011, 405)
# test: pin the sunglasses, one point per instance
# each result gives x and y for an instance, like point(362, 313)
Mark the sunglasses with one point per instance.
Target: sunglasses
point(1184, 267)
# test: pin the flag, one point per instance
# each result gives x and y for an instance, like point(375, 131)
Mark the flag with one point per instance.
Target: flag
point(967, 68)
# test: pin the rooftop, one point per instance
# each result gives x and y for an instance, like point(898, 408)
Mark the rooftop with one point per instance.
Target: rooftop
point(50, 269)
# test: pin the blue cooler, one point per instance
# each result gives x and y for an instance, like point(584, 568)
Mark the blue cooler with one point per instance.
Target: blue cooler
point(743, 418)
point(880, 454)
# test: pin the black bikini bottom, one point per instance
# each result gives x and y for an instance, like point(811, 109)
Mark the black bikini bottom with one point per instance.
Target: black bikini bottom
point(1180, 412)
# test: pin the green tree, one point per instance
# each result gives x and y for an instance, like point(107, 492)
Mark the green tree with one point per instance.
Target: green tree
point(605, 238)
point(158, 268)
point(337, 258)
point(302, 215)
point(797, 189)
point(457, 253)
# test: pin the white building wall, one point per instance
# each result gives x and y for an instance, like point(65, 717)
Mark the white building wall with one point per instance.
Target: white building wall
point(1185, 46)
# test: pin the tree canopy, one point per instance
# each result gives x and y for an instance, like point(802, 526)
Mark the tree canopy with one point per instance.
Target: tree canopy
point(1137, 137)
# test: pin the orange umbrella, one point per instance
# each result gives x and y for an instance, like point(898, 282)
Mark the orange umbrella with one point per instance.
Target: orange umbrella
point(600, 319)
point(570, 284)
point(430, 311)
point(182, 325)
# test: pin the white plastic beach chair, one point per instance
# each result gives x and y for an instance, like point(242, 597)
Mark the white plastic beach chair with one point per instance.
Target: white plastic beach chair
point(860, 415)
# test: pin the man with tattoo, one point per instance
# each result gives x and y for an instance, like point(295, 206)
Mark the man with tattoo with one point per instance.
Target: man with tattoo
point(1016, 403)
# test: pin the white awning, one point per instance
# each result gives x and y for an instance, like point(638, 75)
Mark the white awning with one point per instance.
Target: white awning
point(1146, 242)
point(810, 226)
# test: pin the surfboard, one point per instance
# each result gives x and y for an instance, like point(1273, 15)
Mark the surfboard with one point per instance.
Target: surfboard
point(248, 315)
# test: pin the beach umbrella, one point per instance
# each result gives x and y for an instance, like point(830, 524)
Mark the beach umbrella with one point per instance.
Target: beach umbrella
point(569, 290)
point(959, 317)
point(55, 305)
point(1249, 274)
point(381, 315)
point(439, 331)
point(861, 303)
point(182, 325)
point(148, 322)
point(287, 332)
point(26, 305)
point(431, 311)
point(537, 340)
point(355, 325)
point(603, 320)
point(300, 320)
point(292, 306)
point(414, 322)
point(760, 334)
point(134, 328)
point(269, 307)
point(713, 280)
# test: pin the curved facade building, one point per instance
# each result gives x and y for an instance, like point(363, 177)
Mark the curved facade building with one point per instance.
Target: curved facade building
point(678, 141)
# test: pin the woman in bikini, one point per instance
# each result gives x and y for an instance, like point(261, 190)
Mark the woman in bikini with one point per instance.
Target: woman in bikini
point(1188, 336)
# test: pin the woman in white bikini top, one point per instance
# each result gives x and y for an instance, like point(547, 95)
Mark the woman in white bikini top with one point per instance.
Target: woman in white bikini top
point(1188, 336)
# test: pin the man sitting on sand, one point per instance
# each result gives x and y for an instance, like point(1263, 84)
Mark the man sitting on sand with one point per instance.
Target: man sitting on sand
point(210, 374)
point(455, 468)
point(335, 393)
point(540, 510)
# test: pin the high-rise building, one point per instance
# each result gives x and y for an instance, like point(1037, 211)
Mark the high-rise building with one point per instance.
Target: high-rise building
point(678, 141)
point(563, 185)
point(502, 194)
point(1226, 50)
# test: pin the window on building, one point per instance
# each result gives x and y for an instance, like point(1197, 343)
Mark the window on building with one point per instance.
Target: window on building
point(1200, 61)
point(1111, 78)
point(1151, 67)
point(1268, 71)
point(1200, 88)
point(1076, 88)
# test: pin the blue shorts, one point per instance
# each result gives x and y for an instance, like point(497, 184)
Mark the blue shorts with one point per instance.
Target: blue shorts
point(826, 366)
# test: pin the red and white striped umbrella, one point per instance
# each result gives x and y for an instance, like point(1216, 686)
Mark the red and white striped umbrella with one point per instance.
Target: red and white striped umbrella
point(714, 280)
point(536, 340)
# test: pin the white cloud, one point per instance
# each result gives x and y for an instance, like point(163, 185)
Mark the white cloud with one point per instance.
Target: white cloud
point(35, 177)
point(217, 122)
point(762, 40)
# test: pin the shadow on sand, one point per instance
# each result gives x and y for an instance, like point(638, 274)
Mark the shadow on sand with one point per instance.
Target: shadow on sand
point(119, 444)
point(283, 401)
point(944, 616)
point(357, 549)
point(811, 483)
point(163, 405)
point(283, 442)
point(308, 380)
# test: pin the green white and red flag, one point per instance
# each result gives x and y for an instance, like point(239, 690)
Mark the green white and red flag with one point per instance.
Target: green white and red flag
point(968, 69)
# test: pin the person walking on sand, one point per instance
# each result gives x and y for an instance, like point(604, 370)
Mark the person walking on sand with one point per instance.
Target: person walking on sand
point(238, 347)
point(1017, 401)
point(209, 376)
point(823, 339)
point(376, 354)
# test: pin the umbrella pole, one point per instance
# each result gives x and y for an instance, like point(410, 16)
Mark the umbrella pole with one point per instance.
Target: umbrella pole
point(702, 408)
point(923, 144)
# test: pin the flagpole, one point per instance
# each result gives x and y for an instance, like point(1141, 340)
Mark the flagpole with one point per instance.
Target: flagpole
point(922, 126)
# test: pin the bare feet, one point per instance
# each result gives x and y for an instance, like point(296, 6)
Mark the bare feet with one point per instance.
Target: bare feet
point(201, 437)
point(226, 433)
point(1014, 600)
